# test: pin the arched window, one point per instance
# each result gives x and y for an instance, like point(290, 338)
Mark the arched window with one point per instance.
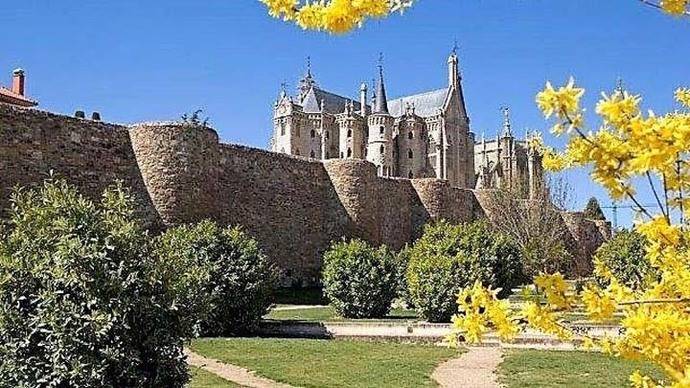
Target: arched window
point(282, 128)
point(349, 133)
point(382, 150)
point(312, 154)
point(410, 135)
point(410, 175)
point(349, 152)
point(409, 154)
point(313, 133)
point(382, 129)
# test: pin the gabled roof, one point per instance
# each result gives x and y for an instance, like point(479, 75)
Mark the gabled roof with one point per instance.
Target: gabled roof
point(335, 104)
point(10, 97)
point(425, 104)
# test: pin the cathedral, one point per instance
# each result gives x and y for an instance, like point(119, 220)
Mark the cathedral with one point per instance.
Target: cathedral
point(424, 135)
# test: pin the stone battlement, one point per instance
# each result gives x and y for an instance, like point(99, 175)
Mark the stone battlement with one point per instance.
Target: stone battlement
point(294, 206)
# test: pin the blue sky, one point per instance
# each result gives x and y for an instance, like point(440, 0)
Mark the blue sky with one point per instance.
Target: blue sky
point(136, 60)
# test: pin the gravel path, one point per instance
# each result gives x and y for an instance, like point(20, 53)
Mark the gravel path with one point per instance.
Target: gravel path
point(236, 374)
point(474, 369)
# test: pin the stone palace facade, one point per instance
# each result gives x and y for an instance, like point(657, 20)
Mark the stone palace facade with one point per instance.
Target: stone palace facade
point(425, 135)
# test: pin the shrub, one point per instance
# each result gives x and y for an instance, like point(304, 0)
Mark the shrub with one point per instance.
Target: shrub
point(80, 305)
point(360, 281)
point(624, 256)
point(448, 258)
point(219, 279)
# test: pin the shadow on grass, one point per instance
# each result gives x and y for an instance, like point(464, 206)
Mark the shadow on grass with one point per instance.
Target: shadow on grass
point(300, 296)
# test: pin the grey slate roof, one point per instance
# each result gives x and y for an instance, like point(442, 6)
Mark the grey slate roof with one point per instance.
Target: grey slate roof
point(426, 104)
point(335, 104)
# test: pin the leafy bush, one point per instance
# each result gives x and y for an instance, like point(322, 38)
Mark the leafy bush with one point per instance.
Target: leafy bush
point(624, 256)
point(219, 279)
point(448, 258)
point(80, 305)
point(361, 281)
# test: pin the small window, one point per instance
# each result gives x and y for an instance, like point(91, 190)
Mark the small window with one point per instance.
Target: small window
point(410, 175)
point(297, 152)
point(409, 154)
point(349, 152)
point(342, 155)
point(312, 154)
point(382, 129)
point(313, 133)
point(382, 150)
point(349, 133)
point(410, 135)
point(327, 156)
point(328, 135)
point(282, 128)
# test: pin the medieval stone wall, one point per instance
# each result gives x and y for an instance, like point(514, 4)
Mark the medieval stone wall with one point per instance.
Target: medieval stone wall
point(92, 155)
point(295, 207)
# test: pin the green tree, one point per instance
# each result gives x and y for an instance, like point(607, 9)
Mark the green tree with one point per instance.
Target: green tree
point(449, 257)
point(593, 210)
point(79, 303)
point(218, 278)
point(361, 281)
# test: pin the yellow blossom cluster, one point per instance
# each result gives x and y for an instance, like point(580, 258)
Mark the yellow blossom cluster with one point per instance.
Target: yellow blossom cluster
point(628, 148)
point(674, 7)
point(479, 308)
point(334, 16)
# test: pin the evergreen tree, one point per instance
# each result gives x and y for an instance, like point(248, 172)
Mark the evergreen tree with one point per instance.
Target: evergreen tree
point(593, 210)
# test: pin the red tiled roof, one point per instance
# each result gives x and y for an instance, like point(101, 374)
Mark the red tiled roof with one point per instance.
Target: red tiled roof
point(10, 97)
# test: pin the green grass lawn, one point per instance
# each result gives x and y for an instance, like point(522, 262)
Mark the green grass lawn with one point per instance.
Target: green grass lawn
point(318, 314)
point(538, 368)
point(330, 363)
point(204, 379)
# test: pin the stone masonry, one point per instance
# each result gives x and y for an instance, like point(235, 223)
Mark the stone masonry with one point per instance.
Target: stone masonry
point(294, 206)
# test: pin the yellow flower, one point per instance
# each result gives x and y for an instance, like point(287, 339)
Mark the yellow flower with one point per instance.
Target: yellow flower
point(564, 102)
point(310, 17)
point(619, 108)
point(599, 305)
point(285, 9)
point(674, 7)
point(683, 96)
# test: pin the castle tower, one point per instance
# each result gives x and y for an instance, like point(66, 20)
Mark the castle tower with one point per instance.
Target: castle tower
point(380, 123)
point(352, 133)
point(412, 145)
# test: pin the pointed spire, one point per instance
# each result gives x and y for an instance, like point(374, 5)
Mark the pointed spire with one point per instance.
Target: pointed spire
point(507, 132)
point(307, 82)
point(619, 85)
point(381, 100)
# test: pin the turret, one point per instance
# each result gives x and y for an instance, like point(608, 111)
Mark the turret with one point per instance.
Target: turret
point(363, 99)
point(380, 122)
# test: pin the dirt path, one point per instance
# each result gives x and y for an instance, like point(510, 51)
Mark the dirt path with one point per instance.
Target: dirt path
point(474, 369)
point(236, 374)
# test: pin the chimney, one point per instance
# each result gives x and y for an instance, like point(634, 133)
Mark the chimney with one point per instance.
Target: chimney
point(95, 116)
point(18, 80)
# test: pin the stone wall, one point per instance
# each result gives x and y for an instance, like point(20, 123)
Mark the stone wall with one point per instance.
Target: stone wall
point(295, 207)
point(91, 154)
